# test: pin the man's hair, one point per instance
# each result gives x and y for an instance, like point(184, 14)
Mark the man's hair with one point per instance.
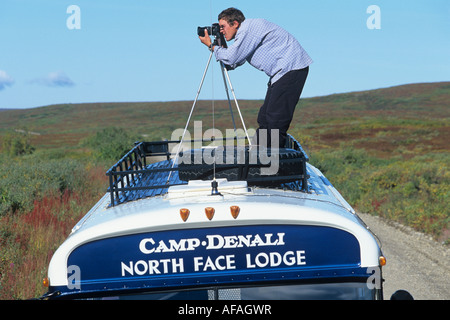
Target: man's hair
point(231, 15)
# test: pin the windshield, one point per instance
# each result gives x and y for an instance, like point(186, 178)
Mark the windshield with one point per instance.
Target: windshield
point(323, 291)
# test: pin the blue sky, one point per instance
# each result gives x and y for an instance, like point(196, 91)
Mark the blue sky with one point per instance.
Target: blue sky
point(148, 50)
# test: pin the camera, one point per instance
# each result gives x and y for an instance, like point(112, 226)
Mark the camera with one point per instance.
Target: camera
point(214, 30)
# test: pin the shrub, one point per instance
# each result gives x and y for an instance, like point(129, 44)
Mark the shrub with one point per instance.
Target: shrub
point(29, 238)
point(415, 192)
point(110, 143)
point(17, 144)
point(26, 179)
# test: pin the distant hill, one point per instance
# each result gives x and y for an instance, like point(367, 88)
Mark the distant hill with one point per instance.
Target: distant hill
point(320, 121)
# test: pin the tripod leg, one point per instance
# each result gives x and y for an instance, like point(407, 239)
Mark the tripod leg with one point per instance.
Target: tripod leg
point(196, 97)
point(228, 95)
point(237, 106)
point(190, 114)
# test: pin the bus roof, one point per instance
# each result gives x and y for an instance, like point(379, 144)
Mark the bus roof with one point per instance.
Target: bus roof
point(257, 207)
point(186, 223)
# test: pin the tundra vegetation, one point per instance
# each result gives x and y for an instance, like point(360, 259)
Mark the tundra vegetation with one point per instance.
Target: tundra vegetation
point(385, 150)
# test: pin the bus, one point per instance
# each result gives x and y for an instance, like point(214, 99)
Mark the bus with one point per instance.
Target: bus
point(224, 230)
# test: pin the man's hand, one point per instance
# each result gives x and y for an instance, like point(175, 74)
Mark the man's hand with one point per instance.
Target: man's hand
point(206, 40)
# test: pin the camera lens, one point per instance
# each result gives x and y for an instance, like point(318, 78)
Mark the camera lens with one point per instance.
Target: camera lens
point(201, 31)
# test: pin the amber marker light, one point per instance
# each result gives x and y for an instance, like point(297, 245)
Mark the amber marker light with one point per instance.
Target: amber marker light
point(382, 261)
point(46, 282)
point(209, 212)
point(235, 211)
point(184, 213)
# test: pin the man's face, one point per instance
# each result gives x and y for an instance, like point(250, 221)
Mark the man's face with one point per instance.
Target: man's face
point(228, 31)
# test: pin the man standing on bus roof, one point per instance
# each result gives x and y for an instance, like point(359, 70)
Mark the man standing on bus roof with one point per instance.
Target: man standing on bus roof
point(271, 49)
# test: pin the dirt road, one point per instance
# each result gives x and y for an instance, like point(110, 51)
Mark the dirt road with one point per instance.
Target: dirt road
point(415, 262)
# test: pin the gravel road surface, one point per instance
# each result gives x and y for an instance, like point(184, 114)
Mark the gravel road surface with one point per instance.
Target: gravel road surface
point(415, 262)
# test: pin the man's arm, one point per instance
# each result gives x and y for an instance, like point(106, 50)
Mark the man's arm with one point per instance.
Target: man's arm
point(206, 40)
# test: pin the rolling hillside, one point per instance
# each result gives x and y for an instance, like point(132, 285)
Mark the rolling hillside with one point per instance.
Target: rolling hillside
point(409, 118)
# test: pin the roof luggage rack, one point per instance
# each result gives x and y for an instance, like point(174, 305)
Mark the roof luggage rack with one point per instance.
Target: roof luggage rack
point(149, 170)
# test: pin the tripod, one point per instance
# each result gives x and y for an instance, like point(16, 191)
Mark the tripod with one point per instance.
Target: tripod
point(219, 39)
point(226, 78)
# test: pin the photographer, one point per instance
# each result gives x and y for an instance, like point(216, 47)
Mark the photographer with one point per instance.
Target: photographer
point(271, 49)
